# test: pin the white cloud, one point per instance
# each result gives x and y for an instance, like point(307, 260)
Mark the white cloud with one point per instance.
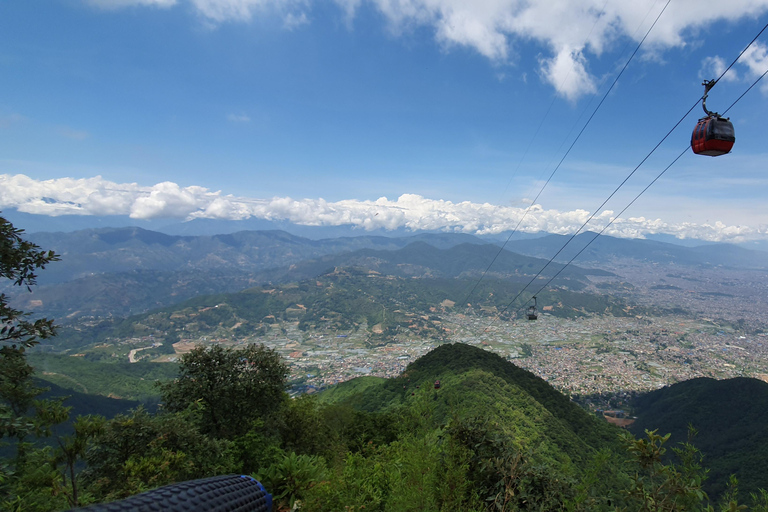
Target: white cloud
point(567, 73)
point(220, 11)
point(755, 59)
point(713, 67)
point(754, 63)
point(292, 21)
point(97, 196)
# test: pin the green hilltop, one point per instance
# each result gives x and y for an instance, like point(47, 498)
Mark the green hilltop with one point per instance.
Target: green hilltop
point(475, 383)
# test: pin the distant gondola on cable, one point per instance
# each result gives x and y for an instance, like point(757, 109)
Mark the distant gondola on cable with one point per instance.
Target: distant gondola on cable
point(437, 384)
point(532, 312)
point(713, 135)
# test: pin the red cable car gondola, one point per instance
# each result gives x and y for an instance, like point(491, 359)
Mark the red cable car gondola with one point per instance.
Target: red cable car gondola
point(713, 135)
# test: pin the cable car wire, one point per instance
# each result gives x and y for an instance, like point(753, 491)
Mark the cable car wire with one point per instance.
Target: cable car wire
point(527, 149)
point(557, 167)
point(627, 178)
point(551, 260)
point(614, 219)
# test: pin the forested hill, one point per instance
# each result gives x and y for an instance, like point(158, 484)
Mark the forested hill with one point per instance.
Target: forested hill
point(731, 418)
point(479, 386)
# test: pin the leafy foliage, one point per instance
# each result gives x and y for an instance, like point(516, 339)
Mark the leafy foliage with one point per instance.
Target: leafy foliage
point(233, 387)
point(19, 262)
point(665, 487)
point(140, 451)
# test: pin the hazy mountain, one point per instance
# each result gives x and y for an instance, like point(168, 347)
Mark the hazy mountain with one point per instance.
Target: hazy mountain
point(341, 300)
point(240, 264)
point(606, 249)
point(95, 251)
point(208, 227)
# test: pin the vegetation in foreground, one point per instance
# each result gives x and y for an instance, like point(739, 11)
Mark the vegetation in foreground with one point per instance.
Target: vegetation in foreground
point(492, 437)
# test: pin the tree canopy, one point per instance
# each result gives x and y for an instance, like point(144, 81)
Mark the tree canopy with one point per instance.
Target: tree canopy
point(232, 387)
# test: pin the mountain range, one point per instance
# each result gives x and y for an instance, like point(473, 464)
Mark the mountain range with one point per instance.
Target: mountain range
point(117, 272)
point(123, 271)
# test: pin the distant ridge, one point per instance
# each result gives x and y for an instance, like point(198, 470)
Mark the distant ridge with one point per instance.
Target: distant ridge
point(118, 272)
point(606, 248)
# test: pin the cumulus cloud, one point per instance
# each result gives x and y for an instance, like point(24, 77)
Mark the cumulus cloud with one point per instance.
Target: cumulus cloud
point(97, 196)
point(568, 74)
point(713, 67)
point(756, 59)
point(753, 64)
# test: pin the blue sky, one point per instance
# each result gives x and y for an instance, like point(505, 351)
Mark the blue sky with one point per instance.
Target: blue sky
point(420, 114)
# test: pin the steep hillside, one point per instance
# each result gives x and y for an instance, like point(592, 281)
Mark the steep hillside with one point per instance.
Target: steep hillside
point(77, 375)
point(478, 384)
point(730, 416)
point(83, 404)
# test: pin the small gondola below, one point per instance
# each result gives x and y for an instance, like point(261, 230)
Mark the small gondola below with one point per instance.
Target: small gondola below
point(533, 313)
point(713, 136)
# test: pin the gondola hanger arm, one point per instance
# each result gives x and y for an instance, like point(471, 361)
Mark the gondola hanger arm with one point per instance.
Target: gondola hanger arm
point(708, 84)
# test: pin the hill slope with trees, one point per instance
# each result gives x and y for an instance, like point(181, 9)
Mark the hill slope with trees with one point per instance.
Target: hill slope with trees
point(730, 417)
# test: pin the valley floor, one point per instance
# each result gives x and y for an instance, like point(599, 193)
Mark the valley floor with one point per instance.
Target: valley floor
point(586, 356)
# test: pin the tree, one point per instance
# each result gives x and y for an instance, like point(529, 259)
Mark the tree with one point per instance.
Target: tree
point(19, 260)
point(233, 387)
point(136, 452)
point(17, 396)
point(659, 487)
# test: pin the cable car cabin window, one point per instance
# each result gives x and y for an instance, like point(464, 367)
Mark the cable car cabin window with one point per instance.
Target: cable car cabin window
point(721, 129)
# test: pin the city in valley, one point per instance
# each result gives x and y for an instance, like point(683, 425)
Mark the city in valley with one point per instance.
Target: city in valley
point(711, 325)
